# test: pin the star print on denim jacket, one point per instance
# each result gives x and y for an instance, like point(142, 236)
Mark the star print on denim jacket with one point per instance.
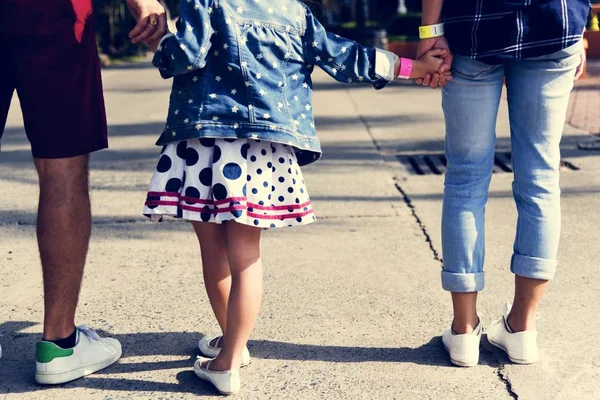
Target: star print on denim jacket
point(242, 69)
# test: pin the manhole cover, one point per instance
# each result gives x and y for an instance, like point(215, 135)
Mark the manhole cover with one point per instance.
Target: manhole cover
point(435, 163)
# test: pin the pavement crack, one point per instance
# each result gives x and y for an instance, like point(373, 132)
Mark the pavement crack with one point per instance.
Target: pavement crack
point(406, 198)
point(503, 376)
point(413, 210)
point(489, 357)
point(364, 121)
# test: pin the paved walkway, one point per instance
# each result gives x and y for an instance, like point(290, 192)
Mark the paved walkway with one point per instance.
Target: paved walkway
point(584, 109)
point(353, 307)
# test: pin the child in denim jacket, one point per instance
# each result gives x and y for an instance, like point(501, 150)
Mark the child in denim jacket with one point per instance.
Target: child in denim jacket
point(240, 125)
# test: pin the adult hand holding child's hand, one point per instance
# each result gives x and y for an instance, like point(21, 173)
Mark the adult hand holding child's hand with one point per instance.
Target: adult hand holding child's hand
point(151, 21)
point(432, 63)
point(433, 80)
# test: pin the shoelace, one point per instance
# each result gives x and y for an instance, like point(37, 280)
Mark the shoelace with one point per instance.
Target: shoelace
point(89, 332)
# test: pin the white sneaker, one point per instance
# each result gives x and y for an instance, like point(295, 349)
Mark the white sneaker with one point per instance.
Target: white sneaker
point(92, 353)
point(521, 347)
point(226, 382)
point(211, 351)
point(463, 349)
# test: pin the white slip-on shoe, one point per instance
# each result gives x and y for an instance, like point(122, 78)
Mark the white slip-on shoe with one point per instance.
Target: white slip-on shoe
point(209, 346)
point(521, 347)
point(226, 382)
point(463, 349)
point(55, 365)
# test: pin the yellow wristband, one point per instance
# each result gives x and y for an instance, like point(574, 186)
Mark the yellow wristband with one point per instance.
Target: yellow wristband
point(431, 31)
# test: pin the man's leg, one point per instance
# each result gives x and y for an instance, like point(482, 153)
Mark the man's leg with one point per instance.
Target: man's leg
point(58, 82)
point(538, 97)
point(7, 88)
point(63, 231)
point(470, 104)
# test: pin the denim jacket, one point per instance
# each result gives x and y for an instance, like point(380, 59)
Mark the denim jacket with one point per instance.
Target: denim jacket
point(242, 69)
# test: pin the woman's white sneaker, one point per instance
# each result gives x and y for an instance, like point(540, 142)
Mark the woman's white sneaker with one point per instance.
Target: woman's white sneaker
point(463, 349)
point(226, 382)
point(521, 347)
point(55, 365)
point(209, 346)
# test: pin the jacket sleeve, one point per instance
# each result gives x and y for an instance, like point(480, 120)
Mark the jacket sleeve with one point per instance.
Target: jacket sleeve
point(344, 59)
point(186, 50)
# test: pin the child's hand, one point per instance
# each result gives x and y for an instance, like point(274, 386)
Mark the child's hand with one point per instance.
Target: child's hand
point(430, 63)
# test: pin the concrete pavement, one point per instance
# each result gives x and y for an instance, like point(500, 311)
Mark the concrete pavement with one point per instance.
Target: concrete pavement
point(584, 108)
point(353, 307)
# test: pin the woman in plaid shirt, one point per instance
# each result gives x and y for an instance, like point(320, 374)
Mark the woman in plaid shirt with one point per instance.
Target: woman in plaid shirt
point(535, 47)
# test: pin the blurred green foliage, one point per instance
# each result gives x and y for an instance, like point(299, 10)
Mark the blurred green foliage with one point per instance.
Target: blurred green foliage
point(113, 21)
point(113, 24)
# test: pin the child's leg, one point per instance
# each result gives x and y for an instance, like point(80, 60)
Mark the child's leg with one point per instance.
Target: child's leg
point(215, 266)
point(243, 250)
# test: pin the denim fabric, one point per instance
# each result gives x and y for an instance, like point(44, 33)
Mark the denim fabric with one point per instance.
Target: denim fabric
point(538, 95)
point(242, 69)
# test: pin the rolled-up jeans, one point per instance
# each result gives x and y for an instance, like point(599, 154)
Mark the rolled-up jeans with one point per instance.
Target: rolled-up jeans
point(538, 95)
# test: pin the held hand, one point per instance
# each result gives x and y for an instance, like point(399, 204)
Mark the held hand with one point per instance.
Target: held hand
point(433, 60)
point(155, 40)
point(151, 21)
point(430, 64)
point(433, 80)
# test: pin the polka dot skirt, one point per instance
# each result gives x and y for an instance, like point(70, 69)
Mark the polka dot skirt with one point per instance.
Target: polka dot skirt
point(255, 183)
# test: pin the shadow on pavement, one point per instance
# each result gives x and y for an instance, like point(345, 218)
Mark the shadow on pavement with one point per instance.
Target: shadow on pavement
point(16, 368)
point(145, 156)
point(333, 85)
point(17, 365)
point(138, 90)
point(430, 353)
point(16, 135)
point(130, 66)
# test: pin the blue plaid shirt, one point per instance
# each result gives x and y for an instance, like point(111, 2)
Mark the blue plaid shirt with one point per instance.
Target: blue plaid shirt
point(495, 31)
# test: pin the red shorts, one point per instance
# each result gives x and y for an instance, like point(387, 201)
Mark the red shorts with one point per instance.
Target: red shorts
point(48, 54)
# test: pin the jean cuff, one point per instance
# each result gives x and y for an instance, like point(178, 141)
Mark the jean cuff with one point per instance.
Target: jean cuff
point(533, 267)
point(463, 283)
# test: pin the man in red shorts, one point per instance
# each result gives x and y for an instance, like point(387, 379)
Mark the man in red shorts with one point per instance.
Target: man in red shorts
point(48, 55)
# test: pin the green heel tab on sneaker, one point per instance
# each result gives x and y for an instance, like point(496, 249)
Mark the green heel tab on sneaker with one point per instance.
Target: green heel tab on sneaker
point(48, 351)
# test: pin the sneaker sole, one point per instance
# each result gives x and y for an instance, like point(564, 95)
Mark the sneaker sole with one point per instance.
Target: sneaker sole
point(200, 375)
point(512, 359)
point(460, 363)
point(68, 376)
